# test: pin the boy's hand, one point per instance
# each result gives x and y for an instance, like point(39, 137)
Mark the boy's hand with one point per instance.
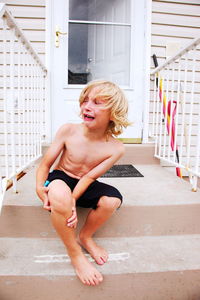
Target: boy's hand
point(43, 194)
point(73, 220)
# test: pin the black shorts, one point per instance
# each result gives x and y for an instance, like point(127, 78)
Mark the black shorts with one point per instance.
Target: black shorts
point(91, 196)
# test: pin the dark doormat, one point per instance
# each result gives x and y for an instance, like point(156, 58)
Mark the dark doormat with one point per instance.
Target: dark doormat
point(122, 171)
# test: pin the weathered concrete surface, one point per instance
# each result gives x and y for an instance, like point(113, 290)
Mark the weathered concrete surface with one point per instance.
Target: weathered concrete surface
point(178, 285)
point(47, 256)
point(32, 221)
point(153, 241)
point(152, 286)
point(158, 187)
point(156, 268)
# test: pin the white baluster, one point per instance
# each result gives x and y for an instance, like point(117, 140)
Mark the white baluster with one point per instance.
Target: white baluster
point(157, 115)
point(12, 127)
point(183, 125)
point(154, 104)
point(161, 117)
point(177, 112)
point(19, 102)
point(5, 133)
point(191, 108)
point(165, 115)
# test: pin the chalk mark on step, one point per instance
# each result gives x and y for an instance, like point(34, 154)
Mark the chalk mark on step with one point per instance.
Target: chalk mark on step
point(60, 258)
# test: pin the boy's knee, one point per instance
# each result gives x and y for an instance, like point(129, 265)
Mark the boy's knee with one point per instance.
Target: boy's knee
point(60, 200)
point(109, 203)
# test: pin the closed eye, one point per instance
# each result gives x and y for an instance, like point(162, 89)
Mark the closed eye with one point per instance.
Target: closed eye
point(99, 101)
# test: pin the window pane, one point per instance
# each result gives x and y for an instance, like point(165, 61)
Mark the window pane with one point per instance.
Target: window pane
point(100, 10)
point(98, 51)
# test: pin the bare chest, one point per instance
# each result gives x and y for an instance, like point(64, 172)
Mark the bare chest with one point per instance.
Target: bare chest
point(84, 153)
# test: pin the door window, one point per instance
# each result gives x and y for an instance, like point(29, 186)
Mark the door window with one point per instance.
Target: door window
point(99, 41)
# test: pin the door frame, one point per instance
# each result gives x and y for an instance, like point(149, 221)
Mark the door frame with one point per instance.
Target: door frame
point(144, 5)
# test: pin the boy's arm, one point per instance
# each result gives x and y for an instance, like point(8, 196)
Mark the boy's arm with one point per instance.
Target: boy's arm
point(48, 160)
point(90, 177)
point(96, 172)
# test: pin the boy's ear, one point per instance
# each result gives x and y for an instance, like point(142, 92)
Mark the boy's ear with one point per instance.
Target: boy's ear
point(111, 118)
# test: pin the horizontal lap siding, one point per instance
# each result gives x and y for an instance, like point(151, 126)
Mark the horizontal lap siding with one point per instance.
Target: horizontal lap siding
point(30, 16)
point(175, 21)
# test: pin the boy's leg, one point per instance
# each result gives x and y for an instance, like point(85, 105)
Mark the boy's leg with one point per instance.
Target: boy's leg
point(61, 209)
point(95, 219)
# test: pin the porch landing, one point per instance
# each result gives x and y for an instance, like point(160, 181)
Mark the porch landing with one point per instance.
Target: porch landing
point(153, 242)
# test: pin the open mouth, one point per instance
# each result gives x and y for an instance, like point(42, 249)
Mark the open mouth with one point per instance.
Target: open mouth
point(88, 117)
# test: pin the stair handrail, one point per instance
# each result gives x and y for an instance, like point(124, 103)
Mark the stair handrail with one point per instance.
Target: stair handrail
point(36, 77)
point(164, 113)
point(177, 55)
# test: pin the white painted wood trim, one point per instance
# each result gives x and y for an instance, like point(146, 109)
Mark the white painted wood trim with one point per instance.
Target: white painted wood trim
point(147, 65)
point(48, 60)
point(99, 23)
point(2, 9)
point(131, 81)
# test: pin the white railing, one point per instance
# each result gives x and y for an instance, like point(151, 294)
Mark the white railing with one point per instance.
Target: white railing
point(22, 102)
point(175, 107)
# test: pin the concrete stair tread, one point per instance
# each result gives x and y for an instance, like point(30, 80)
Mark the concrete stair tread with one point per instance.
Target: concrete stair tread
point(157, 187)
point(34, 221)
point(46, 257)
point(153, 241)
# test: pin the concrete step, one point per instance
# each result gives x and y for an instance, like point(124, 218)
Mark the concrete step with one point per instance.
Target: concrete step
point(157, 204)
point(27, 221)
point(159, 186)
point(139, 154)
point(153, 242)
point(138, 268)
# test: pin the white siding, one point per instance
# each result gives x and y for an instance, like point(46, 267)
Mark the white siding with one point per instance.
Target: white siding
point(173, 22)
point(30, 15)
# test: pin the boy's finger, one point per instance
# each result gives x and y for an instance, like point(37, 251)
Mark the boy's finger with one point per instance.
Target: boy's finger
point(47, 204)
point(72, 225)
point(72, 220)
point(47, 208)
point(74, 215)
point(46, 201)
point(46, 188)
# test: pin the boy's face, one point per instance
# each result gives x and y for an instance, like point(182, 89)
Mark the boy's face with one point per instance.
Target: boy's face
point(93, 111)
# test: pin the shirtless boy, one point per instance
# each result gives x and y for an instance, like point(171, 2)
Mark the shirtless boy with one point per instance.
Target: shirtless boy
point(88, 150)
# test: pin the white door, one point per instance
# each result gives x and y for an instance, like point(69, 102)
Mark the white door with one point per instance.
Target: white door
point(104, 40)
point(109, 46)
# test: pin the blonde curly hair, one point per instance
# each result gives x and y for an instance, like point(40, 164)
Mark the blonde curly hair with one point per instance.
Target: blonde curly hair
point(115, 100)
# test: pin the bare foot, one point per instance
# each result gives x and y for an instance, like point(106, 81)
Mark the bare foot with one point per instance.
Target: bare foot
point(98, 253)
point(85, 270)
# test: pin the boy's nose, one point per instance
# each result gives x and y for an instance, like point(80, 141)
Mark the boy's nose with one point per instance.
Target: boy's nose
point(88, 105)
